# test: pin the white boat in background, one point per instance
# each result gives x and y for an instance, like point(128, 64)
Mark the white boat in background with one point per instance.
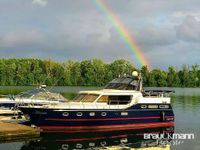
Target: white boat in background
point(36, 97)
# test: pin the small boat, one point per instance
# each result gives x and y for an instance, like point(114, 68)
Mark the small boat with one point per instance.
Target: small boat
point(36, 97)
point(121, 105)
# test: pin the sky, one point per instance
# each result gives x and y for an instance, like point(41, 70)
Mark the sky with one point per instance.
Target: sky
point(167, 31)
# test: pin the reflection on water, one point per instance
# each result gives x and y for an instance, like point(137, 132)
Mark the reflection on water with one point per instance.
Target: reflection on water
point(133, 139)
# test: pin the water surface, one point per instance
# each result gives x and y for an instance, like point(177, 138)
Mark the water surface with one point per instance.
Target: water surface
point(186, 105)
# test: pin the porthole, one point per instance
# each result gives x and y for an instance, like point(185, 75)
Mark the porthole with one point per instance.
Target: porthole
point(79, 114)
point(143, 106)
point(164, 106)
point(92, 113)
point(103, 114)
point(124, 113)
point(65, 114)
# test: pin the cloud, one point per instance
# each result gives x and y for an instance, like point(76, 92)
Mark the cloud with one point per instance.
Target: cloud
point(78, 30)
point(21, 38)
point(189, 30)
point(40, 2)
point(88, 30)
point(155, 36)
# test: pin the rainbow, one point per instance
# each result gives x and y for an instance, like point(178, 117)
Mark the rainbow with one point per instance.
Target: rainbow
point(123, 32)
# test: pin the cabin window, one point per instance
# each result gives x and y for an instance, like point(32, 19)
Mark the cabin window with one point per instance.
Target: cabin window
point(164, 106)
point(86, 98)
point(79, 97)
point(103, 99)
point(119, 99)
point(79, 113)
point(92, 114)
point(40, 95)
point(115, 99)
point(143, 106)
point(103, 114)
point(153, 106)
point(124, 113)
point(124, 83)
point(65, 114)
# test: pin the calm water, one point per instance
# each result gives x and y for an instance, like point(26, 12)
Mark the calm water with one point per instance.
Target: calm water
point(186, 105)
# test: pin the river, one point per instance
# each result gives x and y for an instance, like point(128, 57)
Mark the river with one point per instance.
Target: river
point(186, 105)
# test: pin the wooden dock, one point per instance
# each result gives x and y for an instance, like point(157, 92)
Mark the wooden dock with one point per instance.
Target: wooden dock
point(13, 131)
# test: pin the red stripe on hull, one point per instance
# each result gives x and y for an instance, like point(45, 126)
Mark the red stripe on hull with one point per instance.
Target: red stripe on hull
point(104, 128)
point(102, 119)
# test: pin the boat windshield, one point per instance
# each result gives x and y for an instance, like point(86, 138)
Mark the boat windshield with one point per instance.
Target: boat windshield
point(41, 94)
point(123, 83)
point(86, 98)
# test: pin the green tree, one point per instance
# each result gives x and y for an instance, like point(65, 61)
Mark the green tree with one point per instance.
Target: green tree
point(121, 67)
point(184, 76)
point(93, 72)
point(158, 78)
point(172, 77)
point(193, 76)
point(27, 71)
point(145, 75)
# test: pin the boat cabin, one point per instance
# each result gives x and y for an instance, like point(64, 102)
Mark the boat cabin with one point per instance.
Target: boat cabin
point(122, 92)
point(110, 97)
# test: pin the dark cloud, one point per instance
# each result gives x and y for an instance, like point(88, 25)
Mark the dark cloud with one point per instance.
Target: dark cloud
point(189, 30)
point(164, 30)
point(21, 38)
point(156, 36)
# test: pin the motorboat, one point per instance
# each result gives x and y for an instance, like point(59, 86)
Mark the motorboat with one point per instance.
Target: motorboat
point(122, 104)
point(35, 97)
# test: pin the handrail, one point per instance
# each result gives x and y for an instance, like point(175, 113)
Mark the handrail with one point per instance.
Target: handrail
point(159, 93)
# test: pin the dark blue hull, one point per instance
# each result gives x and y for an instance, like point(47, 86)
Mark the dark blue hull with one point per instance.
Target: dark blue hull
point(83, 120)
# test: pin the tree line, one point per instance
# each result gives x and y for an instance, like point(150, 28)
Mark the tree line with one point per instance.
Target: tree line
point(90, 73)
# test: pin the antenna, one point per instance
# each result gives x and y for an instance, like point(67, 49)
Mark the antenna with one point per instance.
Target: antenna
point(138, 76)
